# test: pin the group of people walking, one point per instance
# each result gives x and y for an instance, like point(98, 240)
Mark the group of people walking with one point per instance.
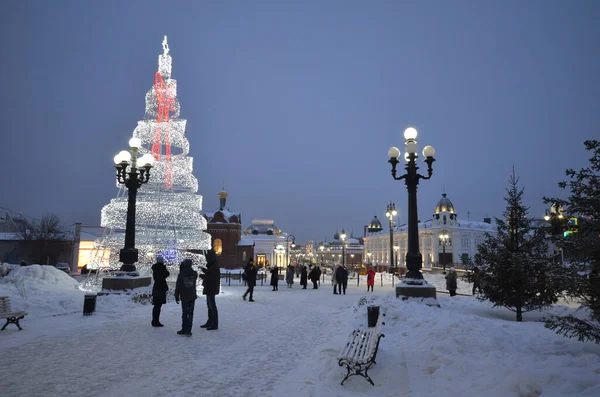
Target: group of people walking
point(185, 291)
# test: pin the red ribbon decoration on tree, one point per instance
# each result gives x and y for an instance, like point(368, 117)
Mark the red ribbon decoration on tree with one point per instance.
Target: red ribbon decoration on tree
point(165, 105)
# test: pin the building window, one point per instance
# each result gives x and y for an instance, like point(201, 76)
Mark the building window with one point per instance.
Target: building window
point(466, 242)
point(244, 256)
point(444, 219)
point(464, 258)
point(218, 246)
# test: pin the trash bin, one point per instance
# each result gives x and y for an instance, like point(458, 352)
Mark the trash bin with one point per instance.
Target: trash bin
point(89, 305)
point(372, 315)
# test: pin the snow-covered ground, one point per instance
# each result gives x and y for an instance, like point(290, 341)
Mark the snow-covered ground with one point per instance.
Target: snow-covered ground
point(284, 344)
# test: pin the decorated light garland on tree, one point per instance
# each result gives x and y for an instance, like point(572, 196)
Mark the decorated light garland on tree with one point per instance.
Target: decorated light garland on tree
point(168, 219)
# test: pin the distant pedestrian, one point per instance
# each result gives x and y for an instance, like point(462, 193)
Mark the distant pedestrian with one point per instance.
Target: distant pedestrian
point(451, 283)
point(185, 290)
point(303, 277)
point(370, 278)
point(159, 289)
point(334, 280)
point(275, 278)
point(314, 275)
point(211, 286)
point(249, 275)
point(476, 280)
point(341, 274)
point(289, 276)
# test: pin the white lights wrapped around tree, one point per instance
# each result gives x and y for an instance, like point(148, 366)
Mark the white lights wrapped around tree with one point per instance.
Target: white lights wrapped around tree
point(168, 219)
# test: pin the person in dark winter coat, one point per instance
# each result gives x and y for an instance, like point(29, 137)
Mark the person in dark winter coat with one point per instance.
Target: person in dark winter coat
point(211, 286)
point(476, 280)
point(314, 275)
point(451, 282)
point(250, 273)
point(275, 278)
point(289, 276)
point(303, 277)
point(341, 276)
point(159, 289)
point(185, 291)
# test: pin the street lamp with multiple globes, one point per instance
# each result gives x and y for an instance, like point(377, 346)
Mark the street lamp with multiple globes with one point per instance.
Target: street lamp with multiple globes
point(444, 240)
point(287, 247)
point(390, 213)
point(322, 248)
point(414, 261)
point(556, 218)
point(131, 172)
point(343, 237)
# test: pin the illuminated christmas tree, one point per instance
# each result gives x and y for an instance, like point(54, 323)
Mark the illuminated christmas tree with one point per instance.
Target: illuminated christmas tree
point(168, 219)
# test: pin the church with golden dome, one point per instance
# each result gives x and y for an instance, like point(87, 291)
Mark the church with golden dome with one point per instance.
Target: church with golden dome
point(225, 229)
point(444, 239)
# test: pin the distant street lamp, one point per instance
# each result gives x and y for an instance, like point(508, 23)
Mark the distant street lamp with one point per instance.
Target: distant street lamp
point(414, 261)
point(322, 248)
point(444, 239)
point(343, 237)
point(557, 222)
point(132, 172)
point(390, 213)
point(287, 247)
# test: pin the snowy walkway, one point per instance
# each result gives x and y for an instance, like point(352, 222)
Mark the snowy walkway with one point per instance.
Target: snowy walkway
point(120, 354)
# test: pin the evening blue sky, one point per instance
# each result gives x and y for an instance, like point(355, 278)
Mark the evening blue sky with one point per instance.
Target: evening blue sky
point(294, 104)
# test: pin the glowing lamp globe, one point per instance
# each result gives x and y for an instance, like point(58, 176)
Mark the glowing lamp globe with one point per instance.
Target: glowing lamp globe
point(411, 148)
point(135, 143)
point(125, 156)
point(428, 151)
point(410, 133)
point(393, 152)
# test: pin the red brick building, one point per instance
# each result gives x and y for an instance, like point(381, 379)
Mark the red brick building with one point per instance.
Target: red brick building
point(225, 228)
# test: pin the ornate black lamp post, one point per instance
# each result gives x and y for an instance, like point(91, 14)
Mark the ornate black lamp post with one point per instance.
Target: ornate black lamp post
point(414, 261)
point(556, 219)
point(131, 172)
point(444, 240)
point(391, 213)
point(343, 237)
point(322, 248)
point(287, 247)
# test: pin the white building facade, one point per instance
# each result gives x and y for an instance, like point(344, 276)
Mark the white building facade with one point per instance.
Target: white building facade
point(461, 242)
point(271, 246)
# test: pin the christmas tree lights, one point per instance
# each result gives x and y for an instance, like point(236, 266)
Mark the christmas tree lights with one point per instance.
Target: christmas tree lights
point(168, 218)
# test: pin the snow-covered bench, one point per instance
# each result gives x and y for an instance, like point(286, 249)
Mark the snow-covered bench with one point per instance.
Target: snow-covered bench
point(359, 353)
point(11, 317)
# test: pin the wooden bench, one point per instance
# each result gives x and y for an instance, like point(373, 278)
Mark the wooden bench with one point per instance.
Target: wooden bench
point(360, 351)
point(11, 317)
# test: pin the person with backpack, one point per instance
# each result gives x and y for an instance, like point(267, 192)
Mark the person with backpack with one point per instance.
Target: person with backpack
point(211, 285)
point(249, 276)
point(289, 276)
point(159, 289)
point(185, 290)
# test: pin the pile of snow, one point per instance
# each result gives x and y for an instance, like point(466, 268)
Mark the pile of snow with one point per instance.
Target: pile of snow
point(42, 291)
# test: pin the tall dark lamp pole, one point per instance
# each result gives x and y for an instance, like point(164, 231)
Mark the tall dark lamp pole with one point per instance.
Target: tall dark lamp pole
point(444, 239)
point(287, 247)
point(131, 172)
point(557, 222)
point(414, 261)
point(343, 237)
point(391, 213)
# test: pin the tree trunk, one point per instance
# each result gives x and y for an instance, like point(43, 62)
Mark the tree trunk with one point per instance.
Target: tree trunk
point(519, 314)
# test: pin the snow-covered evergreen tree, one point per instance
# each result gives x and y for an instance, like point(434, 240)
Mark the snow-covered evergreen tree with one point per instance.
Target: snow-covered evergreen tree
point(517, 271)
point(582, 247)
